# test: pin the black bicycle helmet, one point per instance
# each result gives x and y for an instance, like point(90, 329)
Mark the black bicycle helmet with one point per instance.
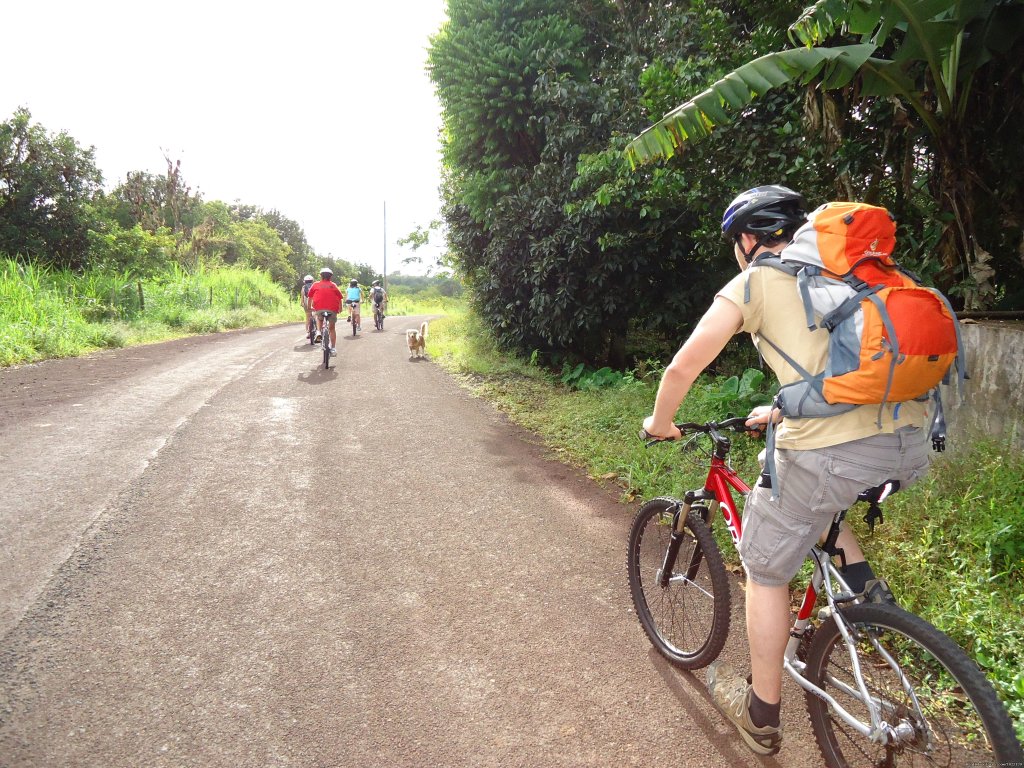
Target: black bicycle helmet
point(764, 211)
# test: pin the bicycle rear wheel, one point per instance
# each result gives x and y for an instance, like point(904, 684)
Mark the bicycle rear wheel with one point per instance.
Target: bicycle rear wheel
point(687, 618)
point(956, 720)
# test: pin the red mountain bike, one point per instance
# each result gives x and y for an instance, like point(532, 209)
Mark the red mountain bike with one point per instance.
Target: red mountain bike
point(883, 686)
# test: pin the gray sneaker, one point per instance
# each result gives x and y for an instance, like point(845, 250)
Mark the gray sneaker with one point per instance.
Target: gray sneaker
point(731, 694)
point(877, 591)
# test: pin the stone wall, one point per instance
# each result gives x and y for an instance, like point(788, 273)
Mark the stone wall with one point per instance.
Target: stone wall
point(993, 401)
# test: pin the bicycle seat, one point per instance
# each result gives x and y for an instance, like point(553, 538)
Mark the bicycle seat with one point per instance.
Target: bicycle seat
point(879, 493)
point(874, 497)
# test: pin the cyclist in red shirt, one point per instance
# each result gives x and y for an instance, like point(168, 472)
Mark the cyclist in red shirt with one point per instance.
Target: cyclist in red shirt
point(325, 296)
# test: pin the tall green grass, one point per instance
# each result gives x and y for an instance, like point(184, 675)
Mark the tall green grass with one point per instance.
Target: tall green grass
point(58, 313)
point(422, 303)
point(952, 547)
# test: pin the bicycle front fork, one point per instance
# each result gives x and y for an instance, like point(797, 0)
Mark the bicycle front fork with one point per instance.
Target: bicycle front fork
point(679, 517)
point(675, 541)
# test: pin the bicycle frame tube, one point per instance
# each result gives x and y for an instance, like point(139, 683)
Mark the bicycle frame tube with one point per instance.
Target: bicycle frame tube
point(720, 478)
point(824, 573)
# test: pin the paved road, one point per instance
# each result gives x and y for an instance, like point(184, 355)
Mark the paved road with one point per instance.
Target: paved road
point(184, 584)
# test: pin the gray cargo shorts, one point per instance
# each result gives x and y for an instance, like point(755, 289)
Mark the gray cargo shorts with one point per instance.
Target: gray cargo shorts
point(813, 486)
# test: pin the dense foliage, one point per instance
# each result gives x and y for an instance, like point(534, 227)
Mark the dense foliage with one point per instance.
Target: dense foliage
point(936, 89)
point(571, 252)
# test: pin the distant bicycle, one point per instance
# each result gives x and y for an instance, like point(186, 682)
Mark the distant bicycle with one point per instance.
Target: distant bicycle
point(311, 329)
point(325, 335)
point(378, 316)
point(353, 315)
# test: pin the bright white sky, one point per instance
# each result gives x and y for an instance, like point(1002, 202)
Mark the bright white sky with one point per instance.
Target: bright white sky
point(322, 110)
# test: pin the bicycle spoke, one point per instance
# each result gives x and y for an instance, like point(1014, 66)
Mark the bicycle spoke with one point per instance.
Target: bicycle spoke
point(685, 619)
point(935, 705)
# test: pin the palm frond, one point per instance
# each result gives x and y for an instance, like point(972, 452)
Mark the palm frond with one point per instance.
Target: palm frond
point(695, 119)
point(826, 18)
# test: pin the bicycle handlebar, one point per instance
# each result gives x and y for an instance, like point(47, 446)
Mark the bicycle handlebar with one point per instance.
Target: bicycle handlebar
point(736, 424)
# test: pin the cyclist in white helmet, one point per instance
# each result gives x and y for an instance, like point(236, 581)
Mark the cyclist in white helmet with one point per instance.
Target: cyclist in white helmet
point(307, 282)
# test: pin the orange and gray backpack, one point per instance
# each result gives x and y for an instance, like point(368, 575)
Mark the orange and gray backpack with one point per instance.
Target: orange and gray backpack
point(891, 339)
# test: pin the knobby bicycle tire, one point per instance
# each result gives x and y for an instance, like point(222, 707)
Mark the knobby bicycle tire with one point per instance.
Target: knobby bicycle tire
point(688, 620)
point(964, 722)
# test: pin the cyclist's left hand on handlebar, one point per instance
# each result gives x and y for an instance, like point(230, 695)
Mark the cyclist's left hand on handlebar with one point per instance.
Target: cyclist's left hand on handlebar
point(660, 433)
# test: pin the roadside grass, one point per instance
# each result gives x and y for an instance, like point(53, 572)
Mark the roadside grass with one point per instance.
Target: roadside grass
point(952, 548)
point(57, 313)
point(401, 304)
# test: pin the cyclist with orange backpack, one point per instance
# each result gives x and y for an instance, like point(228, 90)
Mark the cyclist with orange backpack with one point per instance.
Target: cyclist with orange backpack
point(821, 463)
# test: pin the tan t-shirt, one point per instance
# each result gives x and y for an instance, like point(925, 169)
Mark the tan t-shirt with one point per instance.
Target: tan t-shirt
point(776, 311)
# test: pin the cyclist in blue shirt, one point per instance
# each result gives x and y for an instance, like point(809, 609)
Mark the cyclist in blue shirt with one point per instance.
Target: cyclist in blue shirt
point(353, 296)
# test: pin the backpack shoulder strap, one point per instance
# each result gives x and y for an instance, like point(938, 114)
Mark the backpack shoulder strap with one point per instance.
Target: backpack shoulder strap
point(802, 272)
point(772, 261)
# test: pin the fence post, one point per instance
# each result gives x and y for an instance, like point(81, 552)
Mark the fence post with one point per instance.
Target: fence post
point(211, 295)
point(142, 298)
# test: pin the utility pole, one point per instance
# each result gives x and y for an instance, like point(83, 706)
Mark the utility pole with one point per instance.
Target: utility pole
point(385, 246)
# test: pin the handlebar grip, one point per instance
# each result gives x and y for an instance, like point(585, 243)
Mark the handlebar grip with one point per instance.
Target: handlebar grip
point(645, 435)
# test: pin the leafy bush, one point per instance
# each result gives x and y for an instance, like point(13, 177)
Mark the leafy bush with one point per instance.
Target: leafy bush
point(584, 380)
point(739, 394)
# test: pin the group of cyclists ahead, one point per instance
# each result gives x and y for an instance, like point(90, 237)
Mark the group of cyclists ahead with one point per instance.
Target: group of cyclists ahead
point(322, 301)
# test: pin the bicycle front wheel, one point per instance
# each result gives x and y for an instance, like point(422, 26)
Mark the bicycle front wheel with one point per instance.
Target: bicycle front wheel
point(940, 709)
point(686, 613)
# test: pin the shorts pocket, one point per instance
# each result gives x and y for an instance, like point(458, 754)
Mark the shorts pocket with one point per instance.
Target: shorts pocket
point(773, 547)
point(848, 477)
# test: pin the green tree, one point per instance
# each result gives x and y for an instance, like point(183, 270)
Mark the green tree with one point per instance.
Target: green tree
point(157, 201)
point(945, 74)
point(134, 250)
point(566, 252)
point(301, 255)
point(47, 185)
point(258, 245)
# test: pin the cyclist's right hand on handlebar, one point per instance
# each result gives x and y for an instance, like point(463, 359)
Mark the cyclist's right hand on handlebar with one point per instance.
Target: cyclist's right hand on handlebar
point(759, 416)
point(649, 432)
